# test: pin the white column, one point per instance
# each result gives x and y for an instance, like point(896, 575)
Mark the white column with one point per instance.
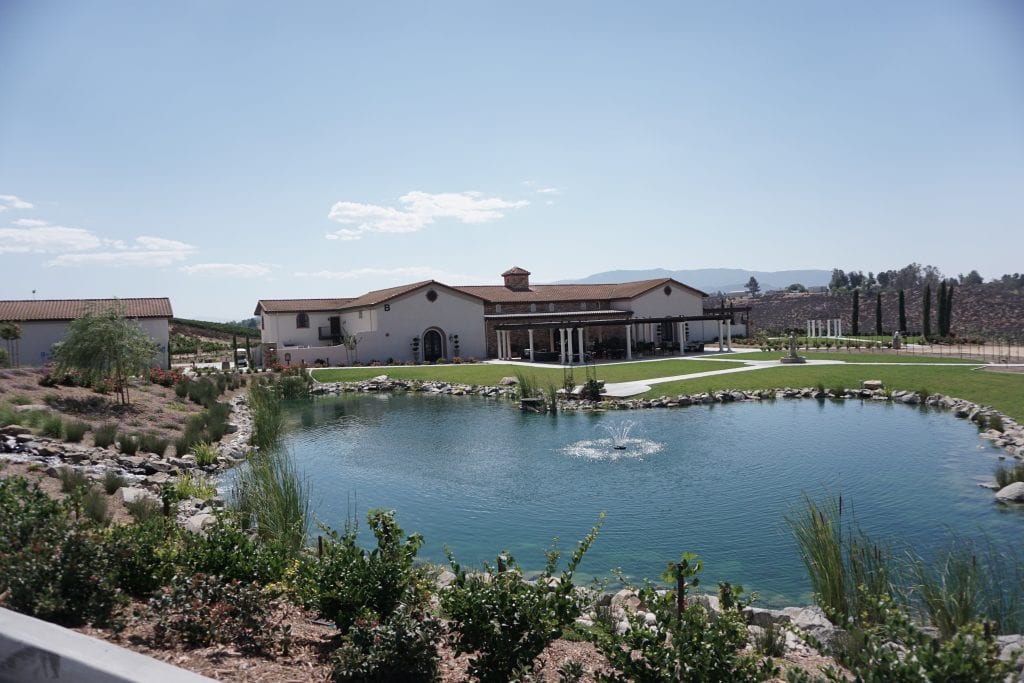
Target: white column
point(679, 337)
point(530, 333)
point(568, 336)
point(629, 342)
point(808, 328)
point(498, 336)
point(728, 334)
point(839, 327)
point(561, 346)
point(580, 330)
point(720, 336)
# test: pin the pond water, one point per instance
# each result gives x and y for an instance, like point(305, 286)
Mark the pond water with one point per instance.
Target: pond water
point(481, 476)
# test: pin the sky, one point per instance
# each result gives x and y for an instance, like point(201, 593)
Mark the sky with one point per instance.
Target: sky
point(221, 152)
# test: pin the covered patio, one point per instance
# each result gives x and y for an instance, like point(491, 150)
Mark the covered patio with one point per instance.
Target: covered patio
point(574, 339)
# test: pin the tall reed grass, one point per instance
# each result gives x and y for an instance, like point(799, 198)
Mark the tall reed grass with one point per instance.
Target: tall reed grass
point(267, 416)
point(273, 498)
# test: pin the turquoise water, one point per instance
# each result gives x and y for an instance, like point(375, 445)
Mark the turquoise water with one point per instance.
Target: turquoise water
point(480, 476)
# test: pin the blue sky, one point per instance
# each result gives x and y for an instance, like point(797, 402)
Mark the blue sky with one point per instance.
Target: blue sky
point(221, 152)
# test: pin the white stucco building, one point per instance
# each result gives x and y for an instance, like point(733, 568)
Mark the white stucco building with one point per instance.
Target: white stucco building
point(425, 321)
point(45, 322)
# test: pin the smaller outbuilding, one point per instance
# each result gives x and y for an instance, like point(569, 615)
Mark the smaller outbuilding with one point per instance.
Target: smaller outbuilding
point(43, 323)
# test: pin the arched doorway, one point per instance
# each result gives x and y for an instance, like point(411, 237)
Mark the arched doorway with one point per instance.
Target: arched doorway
point(433, 345)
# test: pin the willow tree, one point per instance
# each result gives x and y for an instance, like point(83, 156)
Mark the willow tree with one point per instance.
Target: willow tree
point(105, 346)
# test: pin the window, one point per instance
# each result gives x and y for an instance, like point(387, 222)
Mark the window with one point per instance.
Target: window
point(302, 320)
point(533, 308)
point(551, 308)
point(668, 290)
point(583, 305)
point(431, 296)
point(497, 308)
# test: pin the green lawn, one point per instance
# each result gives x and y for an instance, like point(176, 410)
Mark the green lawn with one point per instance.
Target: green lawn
point(481, 373)
point(853, 357)
point(1003, 391)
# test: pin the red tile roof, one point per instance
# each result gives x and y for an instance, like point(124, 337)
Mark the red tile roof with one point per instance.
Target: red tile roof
point(551, 293)
point(379, 296)
point(298, 305)
point(70, 309)
point(515, 270)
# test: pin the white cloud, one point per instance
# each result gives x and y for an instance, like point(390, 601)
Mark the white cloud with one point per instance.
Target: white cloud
point(550, 190)
point(9, 201)
point(244, 270)
point(30, 222)
point(146, 251)
point(418, 209)
point(47, 239)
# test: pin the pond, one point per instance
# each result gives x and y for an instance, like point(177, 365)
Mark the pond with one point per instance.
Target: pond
point(481, 476)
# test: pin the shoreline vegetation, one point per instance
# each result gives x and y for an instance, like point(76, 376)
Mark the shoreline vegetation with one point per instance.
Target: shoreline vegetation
point(247, 578)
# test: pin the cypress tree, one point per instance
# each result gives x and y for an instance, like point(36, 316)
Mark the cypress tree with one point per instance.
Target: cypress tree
point(941, 306)
point(926, 311)
point(878, 315)
point(856, 312)
point(949, 309)
point(903, 313)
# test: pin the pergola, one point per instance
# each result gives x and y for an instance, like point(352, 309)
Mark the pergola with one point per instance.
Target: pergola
point(569, 325)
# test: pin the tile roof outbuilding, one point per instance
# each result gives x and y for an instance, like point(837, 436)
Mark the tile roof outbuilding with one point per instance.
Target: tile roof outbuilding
point(71, 309)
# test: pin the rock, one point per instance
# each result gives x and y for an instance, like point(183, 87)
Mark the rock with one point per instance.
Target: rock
point(622, 627)
point(30, 408)
point(15, 430)
point(197, 523)
point(626, 599)
point(508, 381)
point(650, 619)
point(155, 466)
point(710, 603)
point(132, 461)
point(757, 616)
point(1011, 647)
point(872, 384)
point(1014, 493)
point(158, 478)
point(584, 621)
point(445, 579)
point(380, 378)
point(133, 494)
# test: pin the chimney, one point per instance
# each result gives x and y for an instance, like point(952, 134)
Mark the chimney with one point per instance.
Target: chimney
point(517, 279)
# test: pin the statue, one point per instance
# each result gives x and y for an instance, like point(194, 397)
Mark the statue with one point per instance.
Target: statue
point(897, 342)
point(792, 357)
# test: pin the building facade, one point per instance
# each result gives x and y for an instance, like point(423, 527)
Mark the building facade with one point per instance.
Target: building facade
point(427, 321)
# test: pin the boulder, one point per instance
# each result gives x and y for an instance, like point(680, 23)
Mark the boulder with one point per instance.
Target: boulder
point(872, 384)
point(1014, 493)
point(158, 478)
point(508, 381)
point(445, 578)
point(757, 616)
point(15, 430)
point(133, 494)
point(812, 621)
point(197, 523)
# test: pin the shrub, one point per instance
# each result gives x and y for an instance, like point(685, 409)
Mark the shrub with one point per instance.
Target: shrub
point(112, 481)
point(507, 622)
point(771, 641)
point(270, 493)
point(128, 443)
point(153, 443)
point(105, 434)
point(348, 582)
point(267, 416)
point(75, 430)
point(202, 610)
point(62, 575)
point(229, 552)
point(94, 506)
point(198, 486)
point(25, 511)
point(71, 479)
point(205, 454)
point(402, 647)
point(1009, 475)
point(996, 422)
point(53, 426)
point(144, 554)
point(144, 509)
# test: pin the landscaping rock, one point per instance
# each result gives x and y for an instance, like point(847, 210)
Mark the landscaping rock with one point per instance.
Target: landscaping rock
point(133, 494)
point(158, 478)
point(508, 381)
point(1014, 493)
point(15, 430)
point(872, 384)
point(197, 523)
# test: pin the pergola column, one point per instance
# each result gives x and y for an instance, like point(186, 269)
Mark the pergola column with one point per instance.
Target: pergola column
point(497, 334)
point(808, 329)
point(839, 327)
point(561, 346)
point(728, 334)
point(551, 339)
point(720, 334)
point(580, 330)
point(568, 336)
point(629, 342)
point(679, 338)
point(529, 332)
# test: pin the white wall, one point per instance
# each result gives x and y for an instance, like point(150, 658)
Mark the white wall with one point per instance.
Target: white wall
point(38, 337)
point(656, 304)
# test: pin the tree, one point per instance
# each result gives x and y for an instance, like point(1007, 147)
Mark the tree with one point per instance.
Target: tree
point(972, 278)
point(839, 280)
point(796, 287)
point(903, 313)
point(752, 286)
point(949, 310)
point(855, 279)
point(106, 346)
point(878, 314)
point(926, 311)
point(10, 332)
point(856, 312)
point(941, 309)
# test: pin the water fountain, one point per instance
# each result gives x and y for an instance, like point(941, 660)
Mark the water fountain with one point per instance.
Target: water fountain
point(618, 444)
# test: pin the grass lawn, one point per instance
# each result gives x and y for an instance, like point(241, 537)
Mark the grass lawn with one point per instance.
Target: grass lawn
point(482, 373)
point(1003, 391)
point(852, 357)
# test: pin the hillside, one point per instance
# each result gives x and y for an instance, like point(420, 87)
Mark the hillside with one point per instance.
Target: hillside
point(713, 280)
point(989, 310)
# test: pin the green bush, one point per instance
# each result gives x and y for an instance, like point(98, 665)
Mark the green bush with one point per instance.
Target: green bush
point(53, 426)
point(1009, 475)
point(504, 621)
point(686, 644)
point(112, 481)
point(402, 647)
point(128, 443)
point(229, 552)
point(202, 610)
point(144, 509)
point(205, 454)
point(144, 554)
point(348, 582)
point(105, 434)
point(198, 486)
point(94, 506)
point(25, 510)
point(75, 430)
point(62, 575)
point(153, 443)
point(71, 479)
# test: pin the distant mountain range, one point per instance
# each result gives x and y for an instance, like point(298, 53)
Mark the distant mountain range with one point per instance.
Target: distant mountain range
point(713, 280)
